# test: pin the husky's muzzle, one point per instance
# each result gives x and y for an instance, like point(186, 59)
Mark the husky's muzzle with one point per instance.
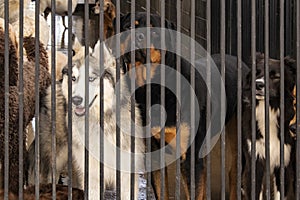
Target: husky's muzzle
point(79, 109)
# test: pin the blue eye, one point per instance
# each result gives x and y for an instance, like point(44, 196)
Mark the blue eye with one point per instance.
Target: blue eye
point(91, 79)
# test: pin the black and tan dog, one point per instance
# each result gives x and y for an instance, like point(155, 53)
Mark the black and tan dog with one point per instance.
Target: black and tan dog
point(200, 90)
point(274, 129)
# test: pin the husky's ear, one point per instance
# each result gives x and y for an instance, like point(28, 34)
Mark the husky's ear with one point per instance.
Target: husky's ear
point(106, 51)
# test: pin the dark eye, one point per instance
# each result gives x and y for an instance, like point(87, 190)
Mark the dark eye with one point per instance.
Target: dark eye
point(73, 78)
point(91, 79)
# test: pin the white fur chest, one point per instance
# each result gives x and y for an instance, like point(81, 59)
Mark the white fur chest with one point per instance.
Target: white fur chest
point(274, 140)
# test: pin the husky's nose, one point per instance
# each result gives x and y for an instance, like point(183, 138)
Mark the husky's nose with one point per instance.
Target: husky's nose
point(260, 85)
point(77, 100)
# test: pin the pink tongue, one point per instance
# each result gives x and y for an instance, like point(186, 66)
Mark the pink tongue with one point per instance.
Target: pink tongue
point(79, 110)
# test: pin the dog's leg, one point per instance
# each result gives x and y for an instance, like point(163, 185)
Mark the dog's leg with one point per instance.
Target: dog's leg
point(259, 175)
point(156, 184)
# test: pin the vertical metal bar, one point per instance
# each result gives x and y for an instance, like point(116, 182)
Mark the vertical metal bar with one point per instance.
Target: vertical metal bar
point(6, 101)
point(132, 89)
point(37, 100)
point(21, 100)
point(239, 98)
point(222, 50)
point(118, 121)
point(253, 99)
point(178, 95)
point(162, 99)
point(101, 65)
point(53, 98)
point(208, 106)
point(298, 97)
point(193, 130)
point(86, 101)
point(267, 99)
point(282, 111)
point(70, 133)
point(148, 100)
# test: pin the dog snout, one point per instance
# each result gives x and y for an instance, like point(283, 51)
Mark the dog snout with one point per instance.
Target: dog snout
point(77, 100)
point(260, 85)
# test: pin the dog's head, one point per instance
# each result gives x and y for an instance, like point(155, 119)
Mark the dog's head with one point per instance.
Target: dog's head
point(109, 10)
point(140, 32)
point(80, 84)
point(274, 78)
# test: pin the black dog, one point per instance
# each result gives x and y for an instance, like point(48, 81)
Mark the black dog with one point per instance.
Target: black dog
point(171, 100)
point(274, 128)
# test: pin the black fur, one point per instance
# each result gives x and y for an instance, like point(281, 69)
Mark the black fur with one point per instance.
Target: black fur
point(274, 89)
point(170, 98)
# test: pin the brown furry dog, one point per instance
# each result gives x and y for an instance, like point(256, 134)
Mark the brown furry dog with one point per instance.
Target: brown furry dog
point(109, 14)
point(14, 95)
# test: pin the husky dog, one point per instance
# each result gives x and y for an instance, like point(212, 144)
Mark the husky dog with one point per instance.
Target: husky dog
point(108, 74)
point(45, 136)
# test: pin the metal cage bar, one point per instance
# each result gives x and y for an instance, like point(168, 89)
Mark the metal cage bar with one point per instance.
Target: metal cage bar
point(37, 100)
point(208, 106)
point(132, 89)
point(21, 101)
point(193, 130)
point(178, 95)
point(267, 99)
point(282, 110)
point(239, 99)
point(253, 100)
point(86, 101)
point(53, 99)
point(6, 102)
point(162, 100)
point(101, 92)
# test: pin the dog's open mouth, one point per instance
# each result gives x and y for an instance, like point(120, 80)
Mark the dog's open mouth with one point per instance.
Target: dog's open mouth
point(80, 110)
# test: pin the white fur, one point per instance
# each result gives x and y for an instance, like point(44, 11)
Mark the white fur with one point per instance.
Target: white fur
point(78, 127)
point(61, 6)
point(274, 140)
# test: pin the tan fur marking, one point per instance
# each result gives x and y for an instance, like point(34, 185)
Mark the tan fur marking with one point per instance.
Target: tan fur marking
point(155, 55)
point(170, 137)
